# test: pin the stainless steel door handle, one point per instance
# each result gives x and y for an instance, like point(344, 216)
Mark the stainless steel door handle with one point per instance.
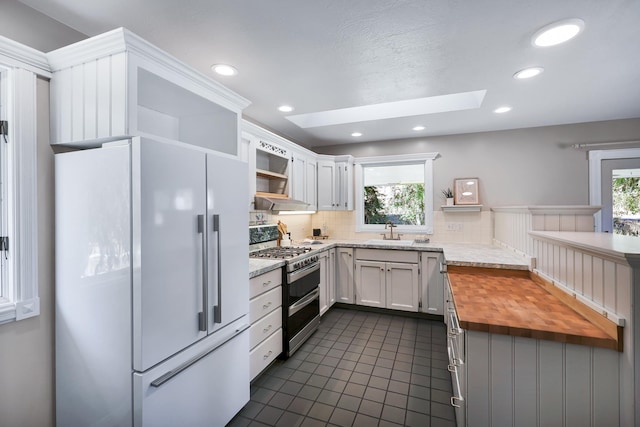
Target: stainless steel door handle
point(302, 303)
point(203, 319)
point(217, 309)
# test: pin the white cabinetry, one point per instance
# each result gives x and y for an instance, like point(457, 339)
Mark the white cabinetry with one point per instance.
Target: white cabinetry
point(265, 313)
point(327, 280)
point(304, 178)
point(431, 280)
point(456, 354)
point(387, 279)
point(335, 183)
point(117, 85)
point(344, 275)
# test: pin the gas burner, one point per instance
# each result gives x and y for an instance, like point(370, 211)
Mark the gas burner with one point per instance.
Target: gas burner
point(280, 252)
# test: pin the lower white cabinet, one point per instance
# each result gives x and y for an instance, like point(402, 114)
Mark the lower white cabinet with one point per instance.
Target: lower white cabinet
point(387, 279)
point(327, 280)
point(265, 314)
point(344, 275)
point(431, 281)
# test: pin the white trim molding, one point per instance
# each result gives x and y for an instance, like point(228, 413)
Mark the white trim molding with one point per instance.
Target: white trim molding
point(428, 159)
point(595, 174)
point(20, 291)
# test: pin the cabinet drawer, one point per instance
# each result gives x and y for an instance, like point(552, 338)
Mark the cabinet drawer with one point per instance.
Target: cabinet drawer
point(265, 282)
point(265, 353)
point(265, 304)
point(387, 255)
point(265, 327)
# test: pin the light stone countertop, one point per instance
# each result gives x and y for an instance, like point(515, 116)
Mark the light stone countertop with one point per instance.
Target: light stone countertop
point(603, 243)
point(462, 254)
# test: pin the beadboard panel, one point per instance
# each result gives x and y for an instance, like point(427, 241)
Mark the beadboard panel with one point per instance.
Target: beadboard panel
point(515, 381)
point(90, 100)
point(606, 281)
point(512, 224)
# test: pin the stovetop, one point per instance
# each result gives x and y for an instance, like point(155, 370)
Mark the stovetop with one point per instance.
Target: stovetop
point(280, 252)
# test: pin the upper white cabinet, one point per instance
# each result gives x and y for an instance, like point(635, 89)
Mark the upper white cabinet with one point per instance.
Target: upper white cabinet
point(304, 179)
point(118, 85)
point(335, 183)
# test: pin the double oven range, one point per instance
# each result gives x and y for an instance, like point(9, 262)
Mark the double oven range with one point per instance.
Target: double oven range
point(301, 285)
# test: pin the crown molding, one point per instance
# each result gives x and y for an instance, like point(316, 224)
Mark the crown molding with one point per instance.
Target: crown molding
point(16, 54)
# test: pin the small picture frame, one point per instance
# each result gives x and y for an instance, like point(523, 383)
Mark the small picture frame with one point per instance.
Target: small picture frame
point(466, 191)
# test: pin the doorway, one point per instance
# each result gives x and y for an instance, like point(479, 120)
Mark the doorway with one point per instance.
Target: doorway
point(619, 169)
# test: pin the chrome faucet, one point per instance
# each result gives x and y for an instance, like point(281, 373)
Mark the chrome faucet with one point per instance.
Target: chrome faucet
point(391, 226)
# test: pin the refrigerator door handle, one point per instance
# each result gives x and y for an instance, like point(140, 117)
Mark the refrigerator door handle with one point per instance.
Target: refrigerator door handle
point(171, 374)
point(202, 316)
point(217, 309)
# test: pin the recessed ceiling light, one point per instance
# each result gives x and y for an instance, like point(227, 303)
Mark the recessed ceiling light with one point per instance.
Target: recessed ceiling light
point(501, 110)
point(285, 108)
point(224, 69)
point(356, 134)
point(527, 73)
point(558, 32)
point(417, 128)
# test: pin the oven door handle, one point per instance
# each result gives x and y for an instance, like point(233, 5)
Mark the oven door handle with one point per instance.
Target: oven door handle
point(298, 274)
point(303, 302)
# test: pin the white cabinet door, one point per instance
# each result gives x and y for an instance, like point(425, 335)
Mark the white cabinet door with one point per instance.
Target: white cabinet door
point(432, 284)
point(168, 193)
point(402, 286)
point(331, 277)
point(311, 184)
point(343, 186)
point(326, 186)
point(324, 282)
point(297, 177)
point(370, 283)
point(227, 253)
point(344, 275)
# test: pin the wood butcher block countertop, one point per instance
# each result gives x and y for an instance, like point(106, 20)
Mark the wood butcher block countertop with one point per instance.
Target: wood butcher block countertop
point(510, 302)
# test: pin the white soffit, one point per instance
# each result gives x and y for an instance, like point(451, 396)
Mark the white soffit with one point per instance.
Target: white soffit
point(390, 110)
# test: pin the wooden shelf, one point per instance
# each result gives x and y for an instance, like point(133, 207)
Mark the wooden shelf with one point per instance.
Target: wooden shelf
point(271, 195)
point(462, 208)
point(270, 175)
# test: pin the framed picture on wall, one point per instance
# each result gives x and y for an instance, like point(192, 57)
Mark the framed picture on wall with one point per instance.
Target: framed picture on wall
point(466, 191)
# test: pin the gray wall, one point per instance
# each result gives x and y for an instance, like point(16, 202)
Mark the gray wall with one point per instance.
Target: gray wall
point(27, 346)
point(534, 166)
point(25, 25)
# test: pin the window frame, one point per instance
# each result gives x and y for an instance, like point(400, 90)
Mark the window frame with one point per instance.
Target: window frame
point(395, 160)
point(20, 67)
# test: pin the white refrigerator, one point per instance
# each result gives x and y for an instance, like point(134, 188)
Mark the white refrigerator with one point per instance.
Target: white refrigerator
point(152, 286)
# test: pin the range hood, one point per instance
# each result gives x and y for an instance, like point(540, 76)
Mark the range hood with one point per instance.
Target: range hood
point(264, 203)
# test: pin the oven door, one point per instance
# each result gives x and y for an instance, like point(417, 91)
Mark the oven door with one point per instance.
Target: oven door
point(301, 282)
point(303, 305)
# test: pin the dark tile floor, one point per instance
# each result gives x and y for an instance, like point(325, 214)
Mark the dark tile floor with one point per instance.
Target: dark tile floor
point(359, 369)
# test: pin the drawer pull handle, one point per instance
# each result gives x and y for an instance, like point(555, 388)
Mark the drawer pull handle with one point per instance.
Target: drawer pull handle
point(265, 330)
point(267, 305)
point(265, 284)
point(266, 356)
point(453, 399)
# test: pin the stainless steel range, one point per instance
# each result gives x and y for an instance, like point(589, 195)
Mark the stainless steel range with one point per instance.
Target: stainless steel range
point(301, 285)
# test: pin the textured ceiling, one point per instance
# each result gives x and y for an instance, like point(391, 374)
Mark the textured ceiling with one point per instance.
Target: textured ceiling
point(334, 54)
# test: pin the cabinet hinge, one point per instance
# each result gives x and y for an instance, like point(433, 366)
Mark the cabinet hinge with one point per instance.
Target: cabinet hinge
point(4, 243)
point(4, 129)
point(419, 304)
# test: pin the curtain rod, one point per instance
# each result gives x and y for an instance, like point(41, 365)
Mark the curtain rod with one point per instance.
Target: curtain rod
point(599, 144)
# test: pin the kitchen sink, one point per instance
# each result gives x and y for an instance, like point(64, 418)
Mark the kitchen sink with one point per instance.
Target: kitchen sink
point(384, 242)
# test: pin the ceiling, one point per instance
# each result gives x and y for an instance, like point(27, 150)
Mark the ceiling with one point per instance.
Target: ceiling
point(333, 54)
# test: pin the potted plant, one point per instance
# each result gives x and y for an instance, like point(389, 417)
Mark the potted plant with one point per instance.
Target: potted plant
point(448, 194)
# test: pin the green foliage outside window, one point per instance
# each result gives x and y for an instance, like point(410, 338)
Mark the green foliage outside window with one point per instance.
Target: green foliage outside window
point(399, 204)
point(626, 204)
